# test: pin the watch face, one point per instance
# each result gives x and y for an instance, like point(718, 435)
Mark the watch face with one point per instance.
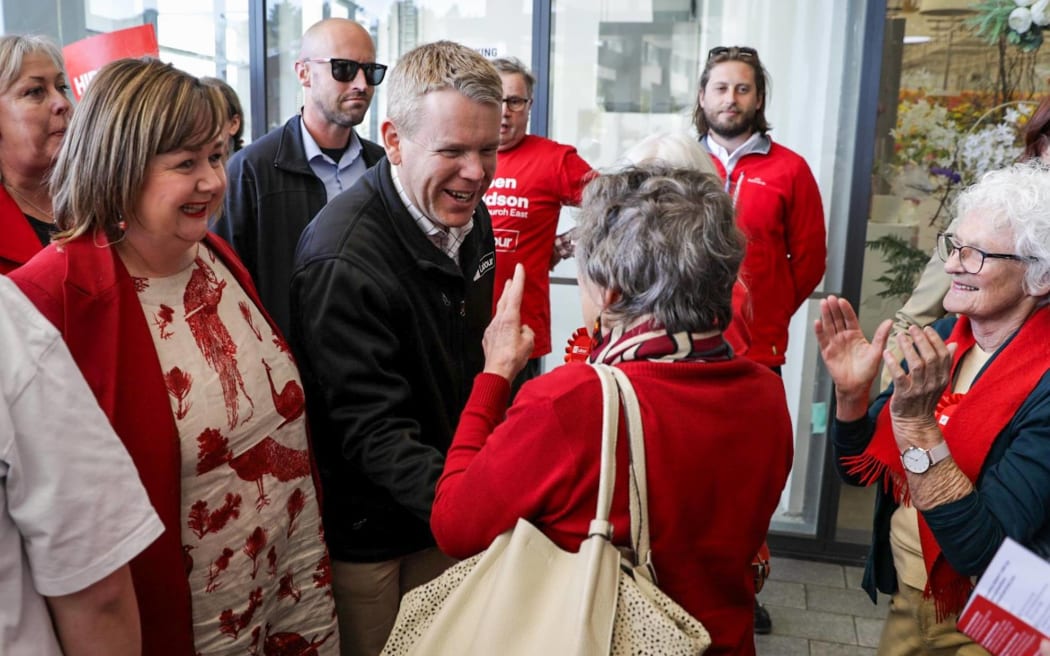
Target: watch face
point(915, 460)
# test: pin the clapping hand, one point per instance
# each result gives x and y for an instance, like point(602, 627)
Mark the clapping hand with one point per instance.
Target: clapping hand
point(851, 360)
point(917, 391)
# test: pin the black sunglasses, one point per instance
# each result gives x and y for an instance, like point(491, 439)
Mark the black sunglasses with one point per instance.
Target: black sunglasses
point(734, 52)
point(344, 70)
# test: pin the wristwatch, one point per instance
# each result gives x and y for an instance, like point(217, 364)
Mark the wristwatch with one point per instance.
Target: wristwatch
point(919, 461)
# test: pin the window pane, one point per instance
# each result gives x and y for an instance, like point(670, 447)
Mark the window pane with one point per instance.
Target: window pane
point(625, 69)
point(201, 37)
point(494, 28)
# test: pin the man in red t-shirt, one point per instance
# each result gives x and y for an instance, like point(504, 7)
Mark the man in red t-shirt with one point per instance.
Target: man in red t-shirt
point(534, 178)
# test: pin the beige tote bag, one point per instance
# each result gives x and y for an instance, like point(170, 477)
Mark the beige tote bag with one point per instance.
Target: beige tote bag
point(525, 596)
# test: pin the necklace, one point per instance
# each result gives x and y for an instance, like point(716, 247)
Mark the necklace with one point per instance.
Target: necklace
point(49, 215)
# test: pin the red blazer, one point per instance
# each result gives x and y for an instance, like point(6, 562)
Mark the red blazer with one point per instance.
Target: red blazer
point(19, 242)
point(89, 296)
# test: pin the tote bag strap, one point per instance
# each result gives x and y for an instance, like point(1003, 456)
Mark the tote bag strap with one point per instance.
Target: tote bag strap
point(617, 387)
point(639, 488)
point(600, 525)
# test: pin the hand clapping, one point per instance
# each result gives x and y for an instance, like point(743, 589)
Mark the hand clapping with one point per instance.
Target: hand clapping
point(851, 360)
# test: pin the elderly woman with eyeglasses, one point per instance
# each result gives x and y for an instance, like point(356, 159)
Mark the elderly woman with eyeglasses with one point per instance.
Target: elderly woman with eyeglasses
point(960, 443)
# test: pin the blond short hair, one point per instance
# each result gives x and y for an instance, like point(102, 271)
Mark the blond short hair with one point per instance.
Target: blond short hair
point(134, 110)
point(14, 48)
point(435, 67)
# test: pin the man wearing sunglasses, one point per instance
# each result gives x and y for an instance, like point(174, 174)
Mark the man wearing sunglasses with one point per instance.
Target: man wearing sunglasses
point(535, 177)
point(278, 183)
point(778, 205)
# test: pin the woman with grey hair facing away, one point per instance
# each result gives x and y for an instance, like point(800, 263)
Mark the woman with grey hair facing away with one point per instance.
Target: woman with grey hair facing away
point(34, 113)
point(960, 443)
point(680, 150)
point(658, 254)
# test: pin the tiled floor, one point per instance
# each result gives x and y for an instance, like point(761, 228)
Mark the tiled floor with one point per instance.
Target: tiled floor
point(819, 609)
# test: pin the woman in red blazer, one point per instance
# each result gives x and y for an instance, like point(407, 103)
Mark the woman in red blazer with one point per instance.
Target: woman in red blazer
point(167, 328)
point(34, 114)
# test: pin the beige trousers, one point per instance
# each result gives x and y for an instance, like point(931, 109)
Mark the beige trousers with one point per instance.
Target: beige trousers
point(912, 629)
point(368, 595)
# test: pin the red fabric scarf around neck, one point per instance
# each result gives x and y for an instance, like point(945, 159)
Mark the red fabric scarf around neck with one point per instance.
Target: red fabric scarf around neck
point(969, 429)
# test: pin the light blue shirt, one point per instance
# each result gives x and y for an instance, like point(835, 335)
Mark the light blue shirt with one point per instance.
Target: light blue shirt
point(335, 177)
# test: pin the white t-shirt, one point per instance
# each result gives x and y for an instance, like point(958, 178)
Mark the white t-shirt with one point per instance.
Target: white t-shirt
point(72, 507)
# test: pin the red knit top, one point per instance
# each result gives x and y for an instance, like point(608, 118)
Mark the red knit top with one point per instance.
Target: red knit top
point(718, 445)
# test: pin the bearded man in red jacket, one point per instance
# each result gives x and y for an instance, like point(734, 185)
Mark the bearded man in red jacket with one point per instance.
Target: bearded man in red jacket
point(778, 205)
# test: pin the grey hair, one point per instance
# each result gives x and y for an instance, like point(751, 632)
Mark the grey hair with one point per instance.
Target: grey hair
point(664, 238)
point(439, 66)
point(514, 66)
point(670, 148)
point(14, 48)
point(1017, 198)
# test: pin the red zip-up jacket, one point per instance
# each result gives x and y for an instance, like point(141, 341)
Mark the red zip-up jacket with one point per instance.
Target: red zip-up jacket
point(779, 209)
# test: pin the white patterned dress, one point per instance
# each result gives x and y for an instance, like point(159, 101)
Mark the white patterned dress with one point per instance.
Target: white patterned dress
point(253, 546)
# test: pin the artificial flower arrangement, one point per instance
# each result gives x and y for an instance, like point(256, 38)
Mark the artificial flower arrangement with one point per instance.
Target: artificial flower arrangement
point(941, 147)
point(1021, 21)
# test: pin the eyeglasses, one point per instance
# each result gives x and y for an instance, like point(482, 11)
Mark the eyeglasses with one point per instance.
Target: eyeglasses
point(344, 70)
point(971, 258)
point(516, 104)
point(733, 52)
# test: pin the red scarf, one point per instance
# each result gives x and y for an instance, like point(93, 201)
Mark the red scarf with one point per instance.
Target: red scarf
point(970, 424)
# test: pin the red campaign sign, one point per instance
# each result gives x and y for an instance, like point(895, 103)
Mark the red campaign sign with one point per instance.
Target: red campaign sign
point(85, 57)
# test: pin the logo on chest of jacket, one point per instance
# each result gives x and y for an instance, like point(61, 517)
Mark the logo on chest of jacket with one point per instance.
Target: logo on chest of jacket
point(488, 261)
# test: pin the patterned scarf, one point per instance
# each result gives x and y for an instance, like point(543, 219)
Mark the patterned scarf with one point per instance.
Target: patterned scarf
point(970, 423)
point(648, 340)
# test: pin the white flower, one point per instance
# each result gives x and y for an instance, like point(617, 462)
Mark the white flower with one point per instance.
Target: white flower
point(1024, 3)
point(1020, 20)
point(1040, 15)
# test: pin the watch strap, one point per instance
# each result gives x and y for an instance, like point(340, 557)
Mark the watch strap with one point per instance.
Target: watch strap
point(939, 453)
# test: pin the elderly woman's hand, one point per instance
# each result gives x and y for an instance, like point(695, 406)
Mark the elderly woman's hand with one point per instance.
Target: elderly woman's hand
point(507, 343)
point(851, 360)
point(917, 391)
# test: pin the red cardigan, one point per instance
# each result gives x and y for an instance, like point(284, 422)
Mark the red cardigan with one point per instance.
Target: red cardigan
point(719, 447)
point(19, 241)
point(89, 296)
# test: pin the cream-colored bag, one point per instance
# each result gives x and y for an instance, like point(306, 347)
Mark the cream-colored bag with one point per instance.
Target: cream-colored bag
point(525, 596)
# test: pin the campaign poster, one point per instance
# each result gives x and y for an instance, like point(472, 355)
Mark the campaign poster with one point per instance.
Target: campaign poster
point(85, 57)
